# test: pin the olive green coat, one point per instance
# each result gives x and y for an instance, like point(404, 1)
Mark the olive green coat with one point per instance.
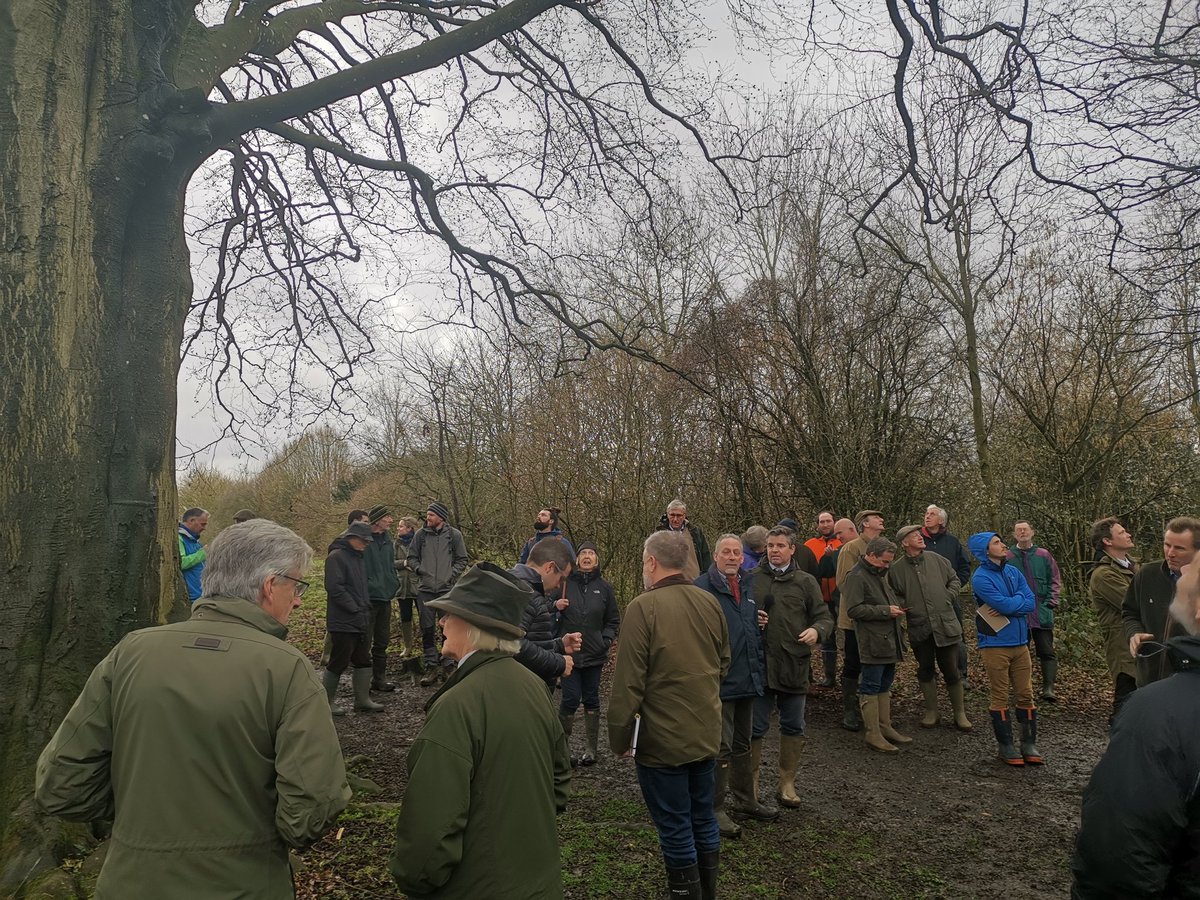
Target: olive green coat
point(927, 587)
point(673, 653)
point(1107, 587)
point(793, 603)
point(209, 743)
point(866, 597)
point(486, 776)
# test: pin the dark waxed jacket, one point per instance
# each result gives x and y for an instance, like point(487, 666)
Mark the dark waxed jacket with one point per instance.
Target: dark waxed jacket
point(541, 651)
point(866, 596)
point(591, 610)
point(794, 604)
point(747, 674)
point(926, 586)
point(349, 608)
point(1145, 611)
point(380, 555)
point(1140, 829)
point(699, 541)
point(946, 545)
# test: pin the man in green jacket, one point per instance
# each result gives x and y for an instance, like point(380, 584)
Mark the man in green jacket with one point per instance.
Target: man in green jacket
point(665, 709)
point(208, 743)
point(382, 585)
point(1107, 586)
point(490, 768)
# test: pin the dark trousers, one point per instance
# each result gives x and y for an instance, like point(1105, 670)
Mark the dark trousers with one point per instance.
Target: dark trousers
point(381, 632)
point(406, 608)
point(962, 643)
point(851, 664)
point(429, 621)
point(830, 643)
point(1122, 690)
point(680, 800)
point(737, 722)
point(346, 649)
point(791, 712)
point(928, 654)
point(1043, 643)
point(582, 684)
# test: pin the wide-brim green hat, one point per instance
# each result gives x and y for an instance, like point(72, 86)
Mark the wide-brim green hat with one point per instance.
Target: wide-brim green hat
point(489, 598)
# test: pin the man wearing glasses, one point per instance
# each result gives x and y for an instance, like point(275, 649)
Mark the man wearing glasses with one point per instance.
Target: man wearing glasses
point(208, 743)
point(348, 617)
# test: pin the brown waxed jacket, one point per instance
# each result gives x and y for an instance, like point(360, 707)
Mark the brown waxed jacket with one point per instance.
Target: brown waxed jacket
point(866, 595)
point(672, 655)
point(848, 556)
point(926, 586)
point(1107, 587)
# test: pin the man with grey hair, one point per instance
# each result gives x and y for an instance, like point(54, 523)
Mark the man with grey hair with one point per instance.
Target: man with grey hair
point(938, 540)
point(208, 743)
point(191, 554)
point(665, 710)
point(675, 519)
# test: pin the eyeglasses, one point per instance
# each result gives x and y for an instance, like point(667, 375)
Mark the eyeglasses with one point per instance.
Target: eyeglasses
point(301, 586)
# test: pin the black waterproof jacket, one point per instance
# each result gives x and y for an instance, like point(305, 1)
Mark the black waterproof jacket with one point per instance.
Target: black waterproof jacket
point(541, 651)
point(1140, 830)
point(349, 607)
point(592, 610)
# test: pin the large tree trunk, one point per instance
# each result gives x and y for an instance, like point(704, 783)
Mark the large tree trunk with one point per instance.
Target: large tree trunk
point(94, 289)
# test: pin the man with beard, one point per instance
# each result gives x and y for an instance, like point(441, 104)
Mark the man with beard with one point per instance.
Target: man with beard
point(544, 526)
point(1139, 834)
point(1107, 586)
point(1145, 608)
point(438, 556)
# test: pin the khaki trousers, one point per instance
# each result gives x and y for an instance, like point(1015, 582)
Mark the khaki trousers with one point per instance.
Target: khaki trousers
point(1008, 668)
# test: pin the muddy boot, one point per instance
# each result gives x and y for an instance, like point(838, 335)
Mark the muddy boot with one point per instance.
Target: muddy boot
point(1029, 750)
point(430, 677)
point(790, 746)
point(1002, 728)
point(684, 884)
point(869, 703)
point(331, 685)
point(379, 680)
point(709, 862)
point(885, 721)
point(361, 678)
point(829, 669)
point(729, 828)
point(1049, 676)
point(568, 725)
point(958, 700)
point(931, 719)
point(591, 737)
point(852, 719)
point(743, 775)
point(326, 650)
point(406, 638)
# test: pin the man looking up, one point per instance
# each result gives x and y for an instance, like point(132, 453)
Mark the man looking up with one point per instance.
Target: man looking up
point(191, 553)
point(869, 524)
point(438, 555)
point(938, 540)
point(1041, 571)
point(1107, 586)
point(544, 526)
point(1144, 611)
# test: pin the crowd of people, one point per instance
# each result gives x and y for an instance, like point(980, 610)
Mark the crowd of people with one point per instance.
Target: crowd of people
point(723, 641)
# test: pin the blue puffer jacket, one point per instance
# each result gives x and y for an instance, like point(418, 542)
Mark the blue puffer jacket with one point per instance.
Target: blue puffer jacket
point(1004, 589)
point(747, 674)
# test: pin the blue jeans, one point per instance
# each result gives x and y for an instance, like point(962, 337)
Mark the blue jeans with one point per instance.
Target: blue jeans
point(581, 683)
point(791, 712)
point(876, 678)
point(680, 800)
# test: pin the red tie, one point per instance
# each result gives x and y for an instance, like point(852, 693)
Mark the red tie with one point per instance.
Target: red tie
point(737, 591)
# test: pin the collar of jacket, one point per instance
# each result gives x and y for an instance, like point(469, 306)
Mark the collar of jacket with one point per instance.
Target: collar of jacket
point(183, 529)
point(478, 658)
point(914, 560)
point(585, 577)
point(720, 581)
point(1184, 653)
point(877, 571)
point(235, 609)
point(671, 580)
point(766, 566)
point(529, 575)
point(988, 562)
point(933, 535)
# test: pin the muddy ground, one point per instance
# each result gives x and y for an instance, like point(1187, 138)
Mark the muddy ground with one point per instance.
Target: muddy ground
point(943, 818)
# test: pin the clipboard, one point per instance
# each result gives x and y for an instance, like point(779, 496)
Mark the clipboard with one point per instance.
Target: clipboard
point(995, 620)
